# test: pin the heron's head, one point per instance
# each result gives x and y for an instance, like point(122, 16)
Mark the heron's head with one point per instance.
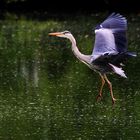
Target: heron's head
point(64, 34)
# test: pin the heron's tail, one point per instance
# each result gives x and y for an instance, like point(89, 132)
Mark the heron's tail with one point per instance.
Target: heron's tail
point(131, 54)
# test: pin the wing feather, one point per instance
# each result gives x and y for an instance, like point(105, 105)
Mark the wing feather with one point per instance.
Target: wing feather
point(115, 21)
point(104, 43)
point(110, 36)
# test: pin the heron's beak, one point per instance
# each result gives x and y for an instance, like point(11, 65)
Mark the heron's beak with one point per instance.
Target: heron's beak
point(56, 34)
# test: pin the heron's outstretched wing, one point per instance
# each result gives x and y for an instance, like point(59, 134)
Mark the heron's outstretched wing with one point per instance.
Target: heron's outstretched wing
point(110, 36)
point(104, 43)
point(115, 21)
point(118, 24)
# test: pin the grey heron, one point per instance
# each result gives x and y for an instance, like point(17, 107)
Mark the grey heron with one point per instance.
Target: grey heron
point(109, 51)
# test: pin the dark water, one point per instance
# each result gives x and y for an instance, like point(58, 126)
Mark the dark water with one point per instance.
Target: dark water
point(47, 94)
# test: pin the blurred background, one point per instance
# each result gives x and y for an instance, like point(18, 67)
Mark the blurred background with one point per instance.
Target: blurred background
point(45, 92)
point(31, 6)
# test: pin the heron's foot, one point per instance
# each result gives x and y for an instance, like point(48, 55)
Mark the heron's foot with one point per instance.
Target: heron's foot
point(113, 101)
point(99, 97)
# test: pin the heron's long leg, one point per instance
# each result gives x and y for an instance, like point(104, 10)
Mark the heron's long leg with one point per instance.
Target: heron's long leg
point(101, 88)
point(110, 87)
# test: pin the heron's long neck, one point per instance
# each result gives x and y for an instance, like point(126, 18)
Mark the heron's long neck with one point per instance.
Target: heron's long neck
point(77, 53)
point(75, 49)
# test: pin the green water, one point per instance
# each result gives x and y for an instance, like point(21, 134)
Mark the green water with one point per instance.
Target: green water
point(47, 94)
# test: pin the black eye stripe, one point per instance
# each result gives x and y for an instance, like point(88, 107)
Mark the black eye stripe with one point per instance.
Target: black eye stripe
point(66, 32)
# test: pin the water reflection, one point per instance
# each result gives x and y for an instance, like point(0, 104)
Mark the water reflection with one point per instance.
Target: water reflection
point(46, 93)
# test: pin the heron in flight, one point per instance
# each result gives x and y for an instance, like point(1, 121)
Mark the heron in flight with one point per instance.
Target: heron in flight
point(109, 51)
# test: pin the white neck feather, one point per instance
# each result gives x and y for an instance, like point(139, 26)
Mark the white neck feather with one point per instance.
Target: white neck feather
point(77, 53)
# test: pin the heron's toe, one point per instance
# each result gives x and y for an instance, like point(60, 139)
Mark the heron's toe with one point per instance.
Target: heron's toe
point(113, 101)
point(99, 97)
